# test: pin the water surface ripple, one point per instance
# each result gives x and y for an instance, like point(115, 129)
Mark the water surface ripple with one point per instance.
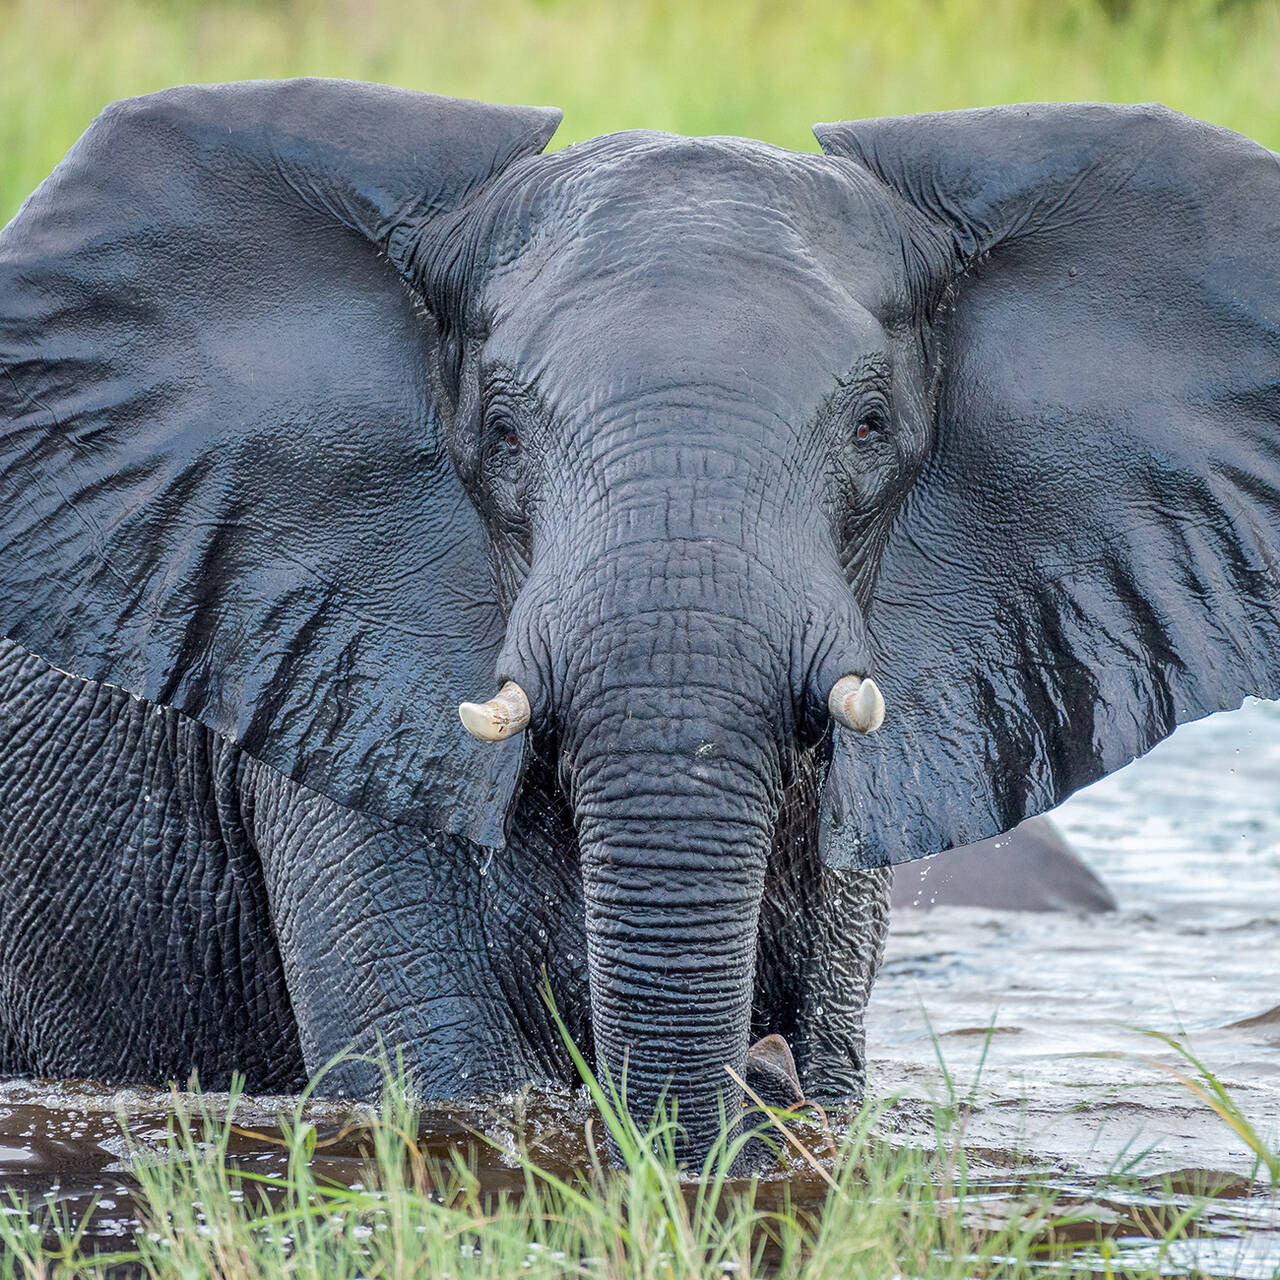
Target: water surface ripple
point(1040, 1017)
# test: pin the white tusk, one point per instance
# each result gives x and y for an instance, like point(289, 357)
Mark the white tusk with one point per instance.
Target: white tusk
point(500, 717)
point(857, 704)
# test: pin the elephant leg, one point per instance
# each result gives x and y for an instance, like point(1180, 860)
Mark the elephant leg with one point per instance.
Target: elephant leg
point(822, 938)
point(134, 939)
point(850, 918)
point(11, 1061)
point(427, 944)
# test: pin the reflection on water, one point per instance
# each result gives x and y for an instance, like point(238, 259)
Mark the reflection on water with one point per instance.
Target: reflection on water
point(1033, 1015)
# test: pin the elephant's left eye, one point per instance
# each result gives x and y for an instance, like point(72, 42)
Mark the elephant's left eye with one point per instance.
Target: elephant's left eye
point(869, 424)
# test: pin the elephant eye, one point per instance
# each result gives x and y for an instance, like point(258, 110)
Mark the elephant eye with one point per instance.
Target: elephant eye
point(502, 431)
point(871, 420)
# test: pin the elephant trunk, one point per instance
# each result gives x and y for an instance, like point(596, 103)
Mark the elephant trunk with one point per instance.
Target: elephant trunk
point(674, 848)
point(672, 720)
point(681, 657)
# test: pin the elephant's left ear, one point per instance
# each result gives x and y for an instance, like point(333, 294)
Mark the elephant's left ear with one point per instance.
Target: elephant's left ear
point(1091, 555)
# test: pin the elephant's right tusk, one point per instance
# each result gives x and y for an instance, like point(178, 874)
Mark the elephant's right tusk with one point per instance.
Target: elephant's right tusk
point(500, 717)
point(856, 703)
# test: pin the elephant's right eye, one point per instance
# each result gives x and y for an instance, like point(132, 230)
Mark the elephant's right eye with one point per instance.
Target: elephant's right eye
point(871, 418)
point(504, 465)
point(502, 434)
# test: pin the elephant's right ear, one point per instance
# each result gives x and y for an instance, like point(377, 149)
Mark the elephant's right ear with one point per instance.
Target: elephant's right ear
point(224, 487)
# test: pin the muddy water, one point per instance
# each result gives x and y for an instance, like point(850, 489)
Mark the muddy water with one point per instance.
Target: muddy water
point(1033, 1017)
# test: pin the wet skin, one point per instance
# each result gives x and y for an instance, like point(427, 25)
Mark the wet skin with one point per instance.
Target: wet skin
point(223, 954)
point(328, 407)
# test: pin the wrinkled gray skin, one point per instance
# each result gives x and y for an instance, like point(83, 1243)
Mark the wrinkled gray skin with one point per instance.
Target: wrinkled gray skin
point(673, 563)
point(325, 407)
point(235, 921)
point(685, 609)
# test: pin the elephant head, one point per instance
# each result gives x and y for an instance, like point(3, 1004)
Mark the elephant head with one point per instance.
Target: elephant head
point(327, 408)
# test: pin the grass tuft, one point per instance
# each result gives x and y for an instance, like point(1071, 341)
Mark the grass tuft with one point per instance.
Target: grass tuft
point(883, 1205)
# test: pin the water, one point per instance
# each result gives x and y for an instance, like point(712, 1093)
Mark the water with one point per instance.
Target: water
point(1033, 1015)
point(1040, 1010)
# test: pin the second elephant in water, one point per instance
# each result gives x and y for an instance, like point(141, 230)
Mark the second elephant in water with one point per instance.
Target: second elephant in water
point(325, 408)
point(1031, 868)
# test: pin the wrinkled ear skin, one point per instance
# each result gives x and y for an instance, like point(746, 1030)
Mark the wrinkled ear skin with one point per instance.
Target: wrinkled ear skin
point(1092, 553)
point(224, 486)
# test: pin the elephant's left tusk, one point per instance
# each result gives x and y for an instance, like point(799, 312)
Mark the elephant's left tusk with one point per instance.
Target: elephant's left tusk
point(857, 703)
point(500, 717)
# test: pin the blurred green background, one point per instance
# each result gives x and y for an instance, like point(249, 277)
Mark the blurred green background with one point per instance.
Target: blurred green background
point(767, 69)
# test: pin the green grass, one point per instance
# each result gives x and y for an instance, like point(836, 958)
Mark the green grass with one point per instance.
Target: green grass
point(767, 69)
point(917, 1210)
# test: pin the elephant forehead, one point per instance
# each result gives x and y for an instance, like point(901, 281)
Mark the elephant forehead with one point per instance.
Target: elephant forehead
point(645, 207)
point(696, 300)
point(646, 284)
point(643, 166)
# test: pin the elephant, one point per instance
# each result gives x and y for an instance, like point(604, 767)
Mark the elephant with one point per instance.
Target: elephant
point(1032, 868)
point(435, 565)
